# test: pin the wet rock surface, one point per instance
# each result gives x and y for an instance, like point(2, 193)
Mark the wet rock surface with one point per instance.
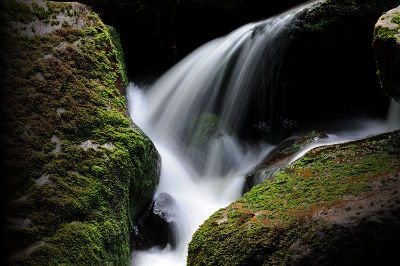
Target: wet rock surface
point(157, 227)
point(279, 158)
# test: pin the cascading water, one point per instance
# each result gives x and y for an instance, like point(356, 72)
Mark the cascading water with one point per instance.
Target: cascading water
point(393, 121)
point(192, 114)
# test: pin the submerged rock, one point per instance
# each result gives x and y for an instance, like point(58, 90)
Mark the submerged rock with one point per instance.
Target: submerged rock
point(337, 205)
point(157, 226)
point(63, 80)
point(387, 50)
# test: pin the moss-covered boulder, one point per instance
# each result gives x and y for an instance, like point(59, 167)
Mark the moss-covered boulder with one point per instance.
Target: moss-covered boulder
point(75, 169)
point(387, 49)
point(337, 205)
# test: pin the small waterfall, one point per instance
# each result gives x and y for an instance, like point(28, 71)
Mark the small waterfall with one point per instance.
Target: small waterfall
point(192, 114)
point(220, 76)
point(393, 121)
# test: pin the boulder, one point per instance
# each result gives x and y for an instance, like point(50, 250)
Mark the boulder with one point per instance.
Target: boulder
point(279, 158)
point(76, 171)
point(337, 205)
point(157, 227)
point(387, 50)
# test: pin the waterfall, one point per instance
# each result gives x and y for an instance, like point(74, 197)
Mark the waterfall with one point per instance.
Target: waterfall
point(192, 114)
point(228, 68)
point(393, 121)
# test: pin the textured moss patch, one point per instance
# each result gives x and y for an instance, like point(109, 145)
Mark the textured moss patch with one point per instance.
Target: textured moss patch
point(262, 227)
point(77, 171)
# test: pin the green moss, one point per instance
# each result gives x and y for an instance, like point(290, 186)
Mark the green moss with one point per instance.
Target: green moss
point(20, 11)
point(90, 31)
point(119, 54)
point(65, 24)
point(385, 34)
point(302, 142)
point(396, 20)
point(40, 12)
point(262, 225)
point(27, 13)
point(334, 13)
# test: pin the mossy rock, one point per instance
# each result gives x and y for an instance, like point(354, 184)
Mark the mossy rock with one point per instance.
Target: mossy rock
point(279, 158)
point(387, 50)
point(337, 205)
point(76, 170)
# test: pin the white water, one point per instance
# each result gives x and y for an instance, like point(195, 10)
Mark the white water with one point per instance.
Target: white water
point(393, 121)
point(203, 178)
point(198, 195)
point(360, 129)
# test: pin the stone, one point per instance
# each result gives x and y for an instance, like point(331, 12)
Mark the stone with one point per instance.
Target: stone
point(387, 50)
point(75, 170)
point(157, 227)
point(336, 205)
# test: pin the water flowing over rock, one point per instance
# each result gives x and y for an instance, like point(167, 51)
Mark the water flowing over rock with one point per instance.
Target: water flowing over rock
point(202, 100)
point(222, 76)
point(86, 186)
point(393, 121)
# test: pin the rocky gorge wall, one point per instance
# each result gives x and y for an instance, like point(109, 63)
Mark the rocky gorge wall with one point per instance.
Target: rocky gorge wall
point(76, 170)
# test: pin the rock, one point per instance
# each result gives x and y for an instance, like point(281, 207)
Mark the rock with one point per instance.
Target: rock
point(279, 158)
point(79, 201)
point(328, 71)
point(202, 130)
point(387, 50)
point(337, 205)
point(157, 226)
